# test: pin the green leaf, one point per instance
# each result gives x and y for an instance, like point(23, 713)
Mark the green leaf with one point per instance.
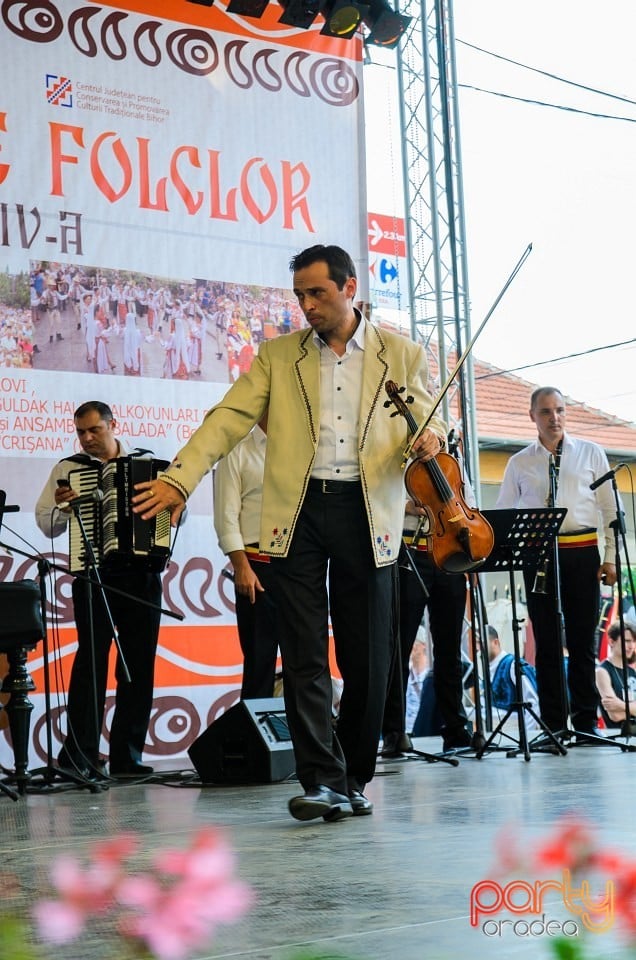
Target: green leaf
point(13, 937)
point(567, 948)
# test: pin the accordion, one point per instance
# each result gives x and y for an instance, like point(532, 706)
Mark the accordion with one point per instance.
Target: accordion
point(120, 538)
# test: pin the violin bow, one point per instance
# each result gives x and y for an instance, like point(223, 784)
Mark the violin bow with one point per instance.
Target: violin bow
point(409, 447)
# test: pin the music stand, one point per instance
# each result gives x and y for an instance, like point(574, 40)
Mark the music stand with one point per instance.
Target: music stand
point(522, 539)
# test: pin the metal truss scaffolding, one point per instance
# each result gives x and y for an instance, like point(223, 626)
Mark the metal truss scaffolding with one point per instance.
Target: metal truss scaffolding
point(435, 235)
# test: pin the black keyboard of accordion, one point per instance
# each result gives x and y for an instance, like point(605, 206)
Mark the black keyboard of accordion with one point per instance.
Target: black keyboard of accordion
point(120, 538)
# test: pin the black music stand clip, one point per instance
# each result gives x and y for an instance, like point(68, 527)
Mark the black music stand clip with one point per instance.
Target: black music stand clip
point(523, 538)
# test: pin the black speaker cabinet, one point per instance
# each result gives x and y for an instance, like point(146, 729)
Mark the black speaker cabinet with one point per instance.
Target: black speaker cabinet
point(249, 743)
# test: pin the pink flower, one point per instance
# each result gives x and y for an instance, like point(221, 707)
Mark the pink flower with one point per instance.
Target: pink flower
point(58, 922)
point(83, 891)
point(208, 858)
point(115, 850)
point(200, 892)
point(185, 918)
point(172, 911)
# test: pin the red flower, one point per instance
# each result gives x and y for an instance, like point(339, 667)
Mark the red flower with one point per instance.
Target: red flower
point(571, 847)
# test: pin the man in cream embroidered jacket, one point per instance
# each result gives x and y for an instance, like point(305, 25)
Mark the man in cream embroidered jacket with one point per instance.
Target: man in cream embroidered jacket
point(285, 377)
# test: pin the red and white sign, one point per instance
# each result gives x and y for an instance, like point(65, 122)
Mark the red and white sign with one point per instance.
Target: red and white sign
point(388, 277)
point(386, 235)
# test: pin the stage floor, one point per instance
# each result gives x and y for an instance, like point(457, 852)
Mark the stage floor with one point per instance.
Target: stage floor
point(393, 886)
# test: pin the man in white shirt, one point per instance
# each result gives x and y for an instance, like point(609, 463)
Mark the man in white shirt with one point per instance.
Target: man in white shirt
point(137, 623)
point(555, 459)
point(238, 493)
point(332, 511)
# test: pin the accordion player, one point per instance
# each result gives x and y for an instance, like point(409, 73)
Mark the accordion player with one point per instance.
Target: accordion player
point(118, 536)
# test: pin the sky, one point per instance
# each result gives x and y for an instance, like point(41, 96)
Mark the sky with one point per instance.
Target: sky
point(561, 180)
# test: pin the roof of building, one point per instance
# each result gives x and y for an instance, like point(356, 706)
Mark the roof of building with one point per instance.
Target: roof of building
point(502, 401)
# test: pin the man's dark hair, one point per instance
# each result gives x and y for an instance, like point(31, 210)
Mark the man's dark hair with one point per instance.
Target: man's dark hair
point(541, 390)
point(340, 264)
point(95, 406)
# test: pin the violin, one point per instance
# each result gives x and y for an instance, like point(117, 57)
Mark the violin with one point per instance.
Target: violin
point(459, 538)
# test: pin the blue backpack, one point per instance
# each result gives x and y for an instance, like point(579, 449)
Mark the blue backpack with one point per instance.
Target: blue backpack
point(502, 686)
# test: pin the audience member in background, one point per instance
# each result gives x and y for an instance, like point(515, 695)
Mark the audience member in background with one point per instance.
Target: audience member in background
point(503, 679)
point(610, 678)
point(418, 668)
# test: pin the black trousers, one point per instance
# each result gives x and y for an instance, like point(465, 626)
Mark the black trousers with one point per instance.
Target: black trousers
point(137, 630)
point(258, 636)
point(330, 569)
point(580, 599)
point(446, 602)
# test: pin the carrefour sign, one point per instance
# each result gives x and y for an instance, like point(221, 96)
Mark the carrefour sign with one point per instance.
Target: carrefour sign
point(388, 278)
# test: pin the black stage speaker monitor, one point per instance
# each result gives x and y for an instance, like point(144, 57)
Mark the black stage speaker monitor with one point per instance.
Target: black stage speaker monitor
point(249, 743)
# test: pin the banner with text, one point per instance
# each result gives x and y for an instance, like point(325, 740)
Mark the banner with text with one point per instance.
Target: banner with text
point(159, 166)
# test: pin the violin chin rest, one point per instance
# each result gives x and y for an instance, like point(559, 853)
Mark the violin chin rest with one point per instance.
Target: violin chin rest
point(461, 563)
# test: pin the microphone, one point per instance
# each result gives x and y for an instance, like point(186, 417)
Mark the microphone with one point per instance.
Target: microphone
point(607, 476)
point(93, 497)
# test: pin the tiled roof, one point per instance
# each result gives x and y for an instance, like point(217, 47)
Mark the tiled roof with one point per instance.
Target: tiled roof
point(502, 401)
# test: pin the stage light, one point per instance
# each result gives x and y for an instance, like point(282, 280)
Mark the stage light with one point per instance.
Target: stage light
point(247, 8)
point(385, 24)
point(299, 13)
point(343, 17)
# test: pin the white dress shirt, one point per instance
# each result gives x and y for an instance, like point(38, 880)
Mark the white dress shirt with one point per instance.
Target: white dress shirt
point(526, 483)
point(340, 389)
point(238, 489)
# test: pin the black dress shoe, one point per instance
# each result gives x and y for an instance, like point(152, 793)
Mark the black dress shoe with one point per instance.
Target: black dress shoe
point(82, 771)
point(322, 802)
point(457, 739)
point(80, 767)
point(360, 804)
point(395, 744)
point(131, 770)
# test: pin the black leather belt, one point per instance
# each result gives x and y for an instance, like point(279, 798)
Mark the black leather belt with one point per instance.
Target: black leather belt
point(333, 486)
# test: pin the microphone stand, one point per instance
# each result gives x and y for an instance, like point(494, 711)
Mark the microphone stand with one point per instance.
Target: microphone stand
point(92, 576)
point(618, 527)
point(479, 619)
point(564, 732)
